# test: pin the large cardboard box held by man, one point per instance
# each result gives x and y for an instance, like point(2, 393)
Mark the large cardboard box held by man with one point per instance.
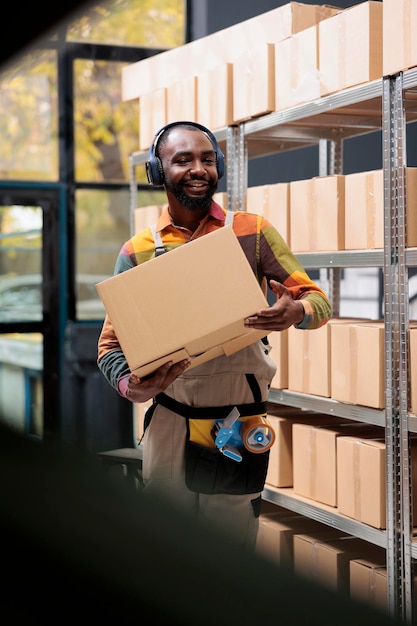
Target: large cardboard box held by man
point(188, 303)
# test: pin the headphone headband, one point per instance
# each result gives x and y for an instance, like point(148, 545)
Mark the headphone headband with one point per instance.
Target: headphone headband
point(154, 169)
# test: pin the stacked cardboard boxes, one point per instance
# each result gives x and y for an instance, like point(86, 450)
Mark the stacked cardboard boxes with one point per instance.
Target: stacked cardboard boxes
point(183, 83)
point(326, 558)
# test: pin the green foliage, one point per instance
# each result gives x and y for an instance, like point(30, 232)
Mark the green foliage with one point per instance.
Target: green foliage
point(144, 23)
point(106, 129)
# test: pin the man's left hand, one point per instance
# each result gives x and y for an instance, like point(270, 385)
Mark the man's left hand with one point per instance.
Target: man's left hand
point(284, 313)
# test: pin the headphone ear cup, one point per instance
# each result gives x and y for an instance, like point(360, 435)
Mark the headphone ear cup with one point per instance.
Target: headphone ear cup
point(161, 175)
point(220, 163)
point(154, 171)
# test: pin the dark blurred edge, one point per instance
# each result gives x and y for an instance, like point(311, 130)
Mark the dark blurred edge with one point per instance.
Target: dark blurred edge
point(28, 22)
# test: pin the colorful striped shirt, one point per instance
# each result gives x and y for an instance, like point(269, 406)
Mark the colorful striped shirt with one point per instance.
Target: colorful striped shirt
point(265, 249)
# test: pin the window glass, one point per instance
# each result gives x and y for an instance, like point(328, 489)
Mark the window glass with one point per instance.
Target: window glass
point(142, 23)
point(21, 371)
point(29, 118)
point(103, 224)
point(106, 129)
point(20, 263)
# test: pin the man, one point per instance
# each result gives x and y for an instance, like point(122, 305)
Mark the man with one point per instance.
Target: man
point(180, 456)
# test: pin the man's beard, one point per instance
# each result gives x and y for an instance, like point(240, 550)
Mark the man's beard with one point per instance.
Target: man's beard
point(187, 201)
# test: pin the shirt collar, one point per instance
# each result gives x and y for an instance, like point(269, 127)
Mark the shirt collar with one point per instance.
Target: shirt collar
point(215, 212)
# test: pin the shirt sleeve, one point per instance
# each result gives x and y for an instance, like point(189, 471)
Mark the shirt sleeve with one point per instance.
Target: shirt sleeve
point(279, 263)
point(111, 360)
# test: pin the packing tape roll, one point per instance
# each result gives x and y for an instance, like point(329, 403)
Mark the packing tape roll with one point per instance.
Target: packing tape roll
point(257, 434)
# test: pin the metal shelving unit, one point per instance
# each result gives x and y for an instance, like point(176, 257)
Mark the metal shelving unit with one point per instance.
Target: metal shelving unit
point(386, 105)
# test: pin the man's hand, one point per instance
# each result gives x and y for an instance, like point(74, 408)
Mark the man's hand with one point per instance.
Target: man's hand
point(142, 389)
point(284, 313)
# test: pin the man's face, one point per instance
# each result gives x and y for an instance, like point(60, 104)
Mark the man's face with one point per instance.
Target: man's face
point(190, 170)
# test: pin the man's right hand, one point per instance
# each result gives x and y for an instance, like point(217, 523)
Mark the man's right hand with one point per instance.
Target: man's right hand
point(143, 389)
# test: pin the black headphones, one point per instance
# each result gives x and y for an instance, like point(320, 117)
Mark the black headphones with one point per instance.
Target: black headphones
point(154, 169)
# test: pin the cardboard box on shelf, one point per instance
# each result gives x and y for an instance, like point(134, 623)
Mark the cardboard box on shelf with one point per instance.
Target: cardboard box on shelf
point(315, 469)
point(158, 319)
point(280, 468)
point(272, 202)
point(361, 476)
point(309, 361)
point(256, 199)
point(411, 204)
point(221, 197)
point(152, 116)
point(224, 46)
point(413, 367)
point(364, 209)
point(182, 100)
point(277, 209)
point(297, 77)
point(145, 216)
point(326, 558)
point(309, 358)
point(279, 354)
point(276, 533)
point(399, 40)
point(320, 203)
point(350, 47)
point(215, 96)
point(368, 581)
point(357, 363)
point(254, 83)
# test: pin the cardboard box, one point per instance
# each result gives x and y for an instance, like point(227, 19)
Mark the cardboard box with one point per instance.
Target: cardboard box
point(309, 361)
point(357, 363)
point(326, 559)
point(399, 39)
point(320, 203)
point(254, 83)
point(361, 480)
point(411, 211)
point(199, 316)
point(276, 533)
point(182, 100)
point(279, 354)
point(297, 76)
point(277, 208)
point(221, 197)
point(272, 202)
point(145, 216)
point(280, 467)
point(412, 400)
point(223, 46)
point(315, 467)
point(361, 476)
point(368, 581)
point(364, 209)
point(215, 96)
point(350, 47)
point(256, 199)
point(152, 116)
point(309, 358)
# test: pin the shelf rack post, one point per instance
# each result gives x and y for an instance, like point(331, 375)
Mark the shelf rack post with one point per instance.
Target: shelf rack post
point(236, 167)
point(399, 510)
point(331, 163)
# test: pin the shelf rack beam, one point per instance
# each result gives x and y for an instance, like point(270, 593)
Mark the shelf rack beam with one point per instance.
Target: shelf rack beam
point(399, 514)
